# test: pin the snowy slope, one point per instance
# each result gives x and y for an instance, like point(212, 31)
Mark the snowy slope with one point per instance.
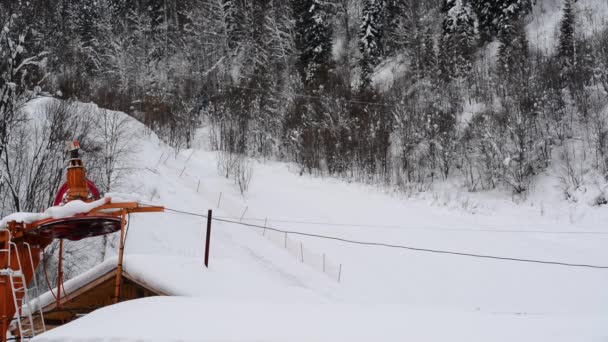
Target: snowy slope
point(255, 290)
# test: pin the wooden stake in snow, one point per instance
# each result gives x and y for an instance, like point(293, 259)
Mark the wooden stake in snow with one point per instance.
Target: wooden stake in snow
point(219, 200)
point(340, 273)
point(244, 211)
point(265, 222)
point(302, 251)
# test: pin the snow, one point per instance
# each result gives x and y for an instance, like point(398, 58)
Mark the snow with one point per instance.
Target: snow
point(74, 207)
point(118, 197)
point(469, 111)
point(69, 209)
point(188, 319)
point(181, 276)
point(255, 290)
point(386, 73)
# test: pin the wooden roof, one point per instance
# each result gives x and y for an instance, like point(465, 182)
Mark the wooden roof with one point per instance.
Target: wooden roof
point(99, 282)
point(92, 295)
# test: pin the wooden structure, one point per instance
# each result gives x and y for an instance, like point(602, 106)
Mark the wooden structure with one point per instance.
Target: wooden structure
point(91, 295)
point(22, 244)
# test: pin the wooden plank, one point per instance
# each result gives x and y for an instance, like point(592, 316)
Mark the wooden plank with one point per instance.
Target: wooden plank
point(155, 209)
point(99, 281)
point(143, 284)
point(89, 286)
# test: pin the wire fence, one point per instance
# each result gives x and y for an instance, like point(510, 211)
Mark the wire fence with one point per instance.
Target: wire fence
point(296, 248)
point(403, 247)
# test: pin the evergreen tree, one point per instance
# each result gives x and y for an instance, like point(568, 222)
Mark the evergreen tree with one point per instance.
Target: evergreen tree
point(231, 18)
point(313, 42)
point(459, 38)
point(370, 38)
point(394, 26)
point(513, 54)
point(566, 48)
point(496, 16)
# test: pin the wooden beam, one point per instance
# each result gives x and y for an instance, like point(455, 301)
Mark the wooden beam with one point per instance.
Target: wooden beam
point(143, 284)
point(154, 209)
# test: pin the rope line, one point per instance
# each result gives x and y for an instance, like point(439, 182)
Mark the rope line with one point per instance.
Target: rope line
point(412, 248)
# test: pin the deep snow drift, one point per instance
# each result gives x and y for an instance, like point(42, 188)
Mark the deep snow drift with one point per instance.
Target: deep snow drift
point(255, 290)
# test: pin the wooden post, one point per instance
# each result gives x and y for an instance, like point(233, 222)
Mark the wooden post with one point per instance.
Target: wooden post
point(198, 185)
point(285, 240)
point(302, 251)
point(340, 273)
point(208, 239)
point(121, 251)
point(59, 274)
point(219, 200)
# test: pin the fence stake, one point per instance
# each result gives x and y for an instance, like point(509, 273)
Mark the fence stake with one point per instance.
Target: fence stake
point(208, 239)
point(184, 169)
point(265, 222)
point(302, 251)
point(285, 240)
point(244, 211)
point(160, 159)
point(198, 185)
point(219, 200)
point(323, 262)
point(189, 156)
point(340, 273)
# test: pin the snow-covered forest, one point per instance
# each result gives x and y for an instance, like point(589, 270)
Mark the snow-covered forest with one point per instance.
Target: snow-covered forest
point(404, 93)
point(351, 120)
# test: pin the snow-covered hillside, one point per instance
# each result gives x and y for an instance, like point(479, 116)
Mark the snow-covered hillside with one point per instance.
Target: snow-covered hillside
point(543, 29)
point(255, 290)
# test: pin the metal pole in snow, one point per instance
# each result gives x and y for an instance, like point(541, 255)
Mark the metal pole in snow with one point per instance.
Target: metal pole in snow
point(59, 274)
point(302, 251)
point(208, 239)
point(198, 185)
point(219, 200)
point(340, 273)
point(121, 251)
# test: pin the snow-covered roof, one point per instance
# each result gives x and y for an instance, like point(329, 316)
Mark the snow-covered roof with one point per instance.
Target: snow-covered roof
point(193, 319)
point(138, 267)
point(69, 209)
